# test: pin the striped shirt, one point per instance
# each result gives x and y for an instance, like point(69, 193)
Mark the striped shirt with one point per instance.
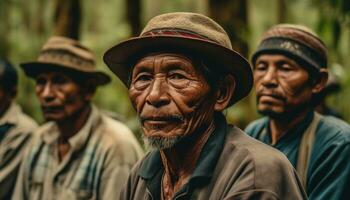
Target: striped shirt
point(96, 166)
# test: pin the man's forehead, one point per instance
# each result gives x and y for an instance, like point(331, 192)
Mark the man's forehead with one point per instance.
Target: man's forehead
point(275, 58)
point(169, 55)
point(50, 74)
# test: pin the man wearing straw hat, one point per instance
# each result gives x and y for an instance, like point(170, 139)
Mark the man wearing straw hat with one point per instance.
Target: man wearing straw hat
point(290, 71)
point(182, 73)
point(79, 153)
point(16, 129)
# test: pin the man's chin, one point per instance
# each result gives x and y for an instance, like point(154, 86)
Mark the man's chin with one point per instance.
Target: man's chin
point(271, 114)
point(53, 117)
point(162, 142)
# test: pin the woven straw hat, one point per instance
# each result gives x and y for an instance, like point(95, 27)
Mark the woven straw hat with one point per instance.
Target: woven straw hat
point(185, 32)
point(65, 54)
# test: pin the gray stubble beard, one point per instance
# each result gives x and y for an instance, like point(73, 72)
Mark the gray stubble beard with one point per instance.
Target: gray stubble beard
point(162, 142)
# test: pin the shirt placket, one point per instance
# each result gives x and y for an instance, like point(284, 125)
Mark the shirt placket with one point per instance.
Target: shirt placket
point(60, 174)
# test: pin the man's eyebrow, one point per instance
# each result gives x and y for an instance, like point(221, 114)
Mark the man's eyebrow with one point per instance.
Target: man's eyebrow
point(143, 66)
point(291, 63)
point(260, 62)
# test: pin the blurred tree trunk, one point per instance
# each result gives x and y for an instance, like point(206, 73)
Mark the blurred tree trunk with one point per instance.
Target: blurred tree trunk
point(38, 23)
point(4, 28)
point(67, 18)
point(282, 11)
point(232, 16)
point(133, 8)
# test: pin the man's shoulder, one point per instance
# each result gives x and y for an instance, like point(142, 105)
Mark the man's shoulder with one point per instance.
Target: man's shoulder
point(333, 129)
point(265, 162)
point(255, 166)
point(24, 124)
point(114, 130)
point(255, 126)
point(114, 136)
point(27, 122)
point(261, 154)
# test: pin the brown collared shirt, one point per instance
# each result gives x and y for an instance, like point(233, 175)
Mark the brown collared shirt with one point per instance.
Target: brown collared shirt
point(231, 166)
point(101, 156)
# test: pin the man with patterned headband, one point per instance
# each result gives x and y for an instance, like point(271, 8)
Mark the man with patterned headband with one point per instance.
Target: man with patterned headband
point(182, 73)
point(290, 69)
point(80, 153)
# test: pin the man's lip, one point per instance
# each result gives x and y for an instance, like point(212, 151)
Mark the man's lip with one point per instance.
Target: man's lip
point(271, 95)
point(268, 98)
point(160, 119)
point(51, 108)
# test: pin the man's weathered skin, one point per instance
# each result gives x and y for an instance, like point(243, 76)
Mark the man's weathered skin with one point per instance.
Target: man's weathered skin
point(174, 101)
point(283, 90)
point(64, 101)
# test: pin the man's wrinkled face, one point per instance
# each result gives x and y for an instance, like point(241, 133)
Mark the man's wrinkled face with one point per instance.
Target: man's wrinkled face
point(172, 98)
point(282, 85)
point(60, 97)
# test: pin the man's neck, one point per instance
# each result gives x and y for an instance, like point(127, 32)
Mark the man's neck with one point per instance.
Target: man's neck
point(72, 125)
point(68, 128)
point(279, 126)
point(4, 108)
point(179, 162)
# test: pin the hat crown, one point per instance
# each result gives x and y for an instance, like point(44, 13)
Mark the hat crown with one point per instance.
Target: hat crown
point(299, 33)
point(189, 22)
point(67, 52)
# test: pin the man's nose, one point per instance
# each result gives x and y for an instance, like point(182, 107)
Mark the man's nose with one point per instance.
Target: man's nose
point(270, 78)
point(158, 94)
point(47, 93)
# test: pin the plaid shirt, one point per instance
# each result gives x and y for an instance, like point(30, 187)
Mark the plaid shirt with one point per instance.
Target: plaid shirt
point(96, 166)
point(15, 130)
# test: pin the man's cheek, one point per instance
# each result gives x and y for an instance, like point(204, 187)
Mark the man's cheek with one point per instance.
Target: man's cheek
point(137, 99)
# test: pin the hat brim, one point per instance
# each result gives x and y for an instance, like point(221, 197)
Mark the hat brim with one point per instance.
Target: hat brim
point(32, 69)
point(120, 57)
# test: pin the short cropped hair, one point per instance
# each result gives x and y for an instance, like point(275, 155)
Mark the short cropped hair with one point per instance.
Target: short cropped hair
point(8, 76)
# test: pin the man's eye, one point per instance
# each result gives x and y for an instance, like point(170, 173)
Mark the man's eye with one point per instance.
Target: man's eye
point(60, 80)
point(286, 67)
point(260, 67)
point(142, 81)
point(40, 81)
point(143, 78)
point(177, 76)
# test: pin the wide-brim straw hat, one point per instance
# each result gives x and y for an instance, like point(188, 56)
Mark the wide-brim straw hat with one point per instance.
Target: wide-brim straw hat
point(66, 55)
point(185, 32)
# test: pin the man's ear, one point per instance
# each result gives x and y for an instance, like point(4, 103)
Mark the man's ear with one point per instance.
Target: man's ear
point(224, 92)
point(13, 93)
point(89, 90)
point(321, 81)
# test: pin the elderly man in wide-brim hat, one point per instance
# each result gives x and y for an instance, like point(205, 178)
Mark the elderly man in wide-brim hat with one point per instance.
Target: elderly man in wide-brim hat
point(182, 73)
point(79, 153)
point(290, 72)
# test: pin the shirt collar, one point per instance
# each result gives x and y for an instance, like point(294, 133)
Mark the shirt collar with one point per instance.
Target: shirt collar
point(152, 168)
point(10, 116)
point(291, 134)
point(78, 140)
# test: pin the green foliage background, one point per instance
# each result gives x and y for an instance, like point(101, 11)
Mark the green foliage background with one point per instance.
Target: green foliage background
point(26, 26)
